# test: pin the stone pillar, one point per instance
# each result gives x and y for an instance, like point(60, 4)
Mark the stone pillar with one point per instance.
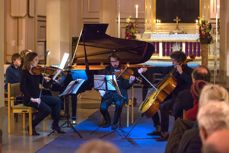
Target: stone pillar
point(204, 54)
point(0, 141)
point(2, 17)
point(224, 38)
point(58, 30)
point(205, 9)
point(109, 15)
point(150, 12)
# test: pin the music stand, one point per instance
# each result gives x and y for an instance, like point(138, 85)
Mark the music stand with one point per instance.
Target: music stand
point(106, 83)
point(72, 88)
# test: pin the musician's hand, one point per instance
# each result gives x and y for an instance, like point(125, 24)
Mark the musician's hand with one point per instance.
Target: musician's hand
point(36, 100)
point(132, 79)
point(47, 79)
point(179, 69)
point(142, 70)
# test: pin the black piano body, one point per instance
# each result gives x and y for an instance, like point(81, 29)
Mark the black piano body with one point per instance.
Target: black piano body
point(94, 48)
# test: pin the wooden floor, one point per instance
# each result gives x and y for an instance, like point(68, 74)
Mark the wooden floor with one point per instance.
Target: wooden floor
point(20, 142)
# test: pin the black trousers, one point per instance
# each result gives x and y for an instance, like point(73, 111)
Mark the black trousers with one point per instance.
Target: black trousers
point(183, 101)
point(165, 107)
point(108, 99)
point(49, 104)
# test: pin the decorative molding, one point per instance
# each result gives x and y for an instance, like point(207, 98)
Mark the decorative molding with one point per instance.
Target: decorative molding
point(18, 8)
point(91, 7)
point(31, 8)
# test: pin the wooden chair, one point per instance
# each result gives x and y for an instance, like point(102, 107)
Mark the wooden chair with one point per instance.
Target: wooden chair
point(130, 109)
point(13, 92)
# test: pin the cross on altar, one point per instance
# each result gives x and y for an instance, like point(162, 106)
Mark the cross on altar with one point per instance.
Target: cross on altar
point(177, 22)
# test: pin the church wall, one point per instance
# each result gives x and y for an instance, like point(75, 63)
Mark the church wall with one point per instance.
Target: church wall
point(2, 52)
point(109, 15)
point(20, 29)
point(54, 25)
point(224, 38)
point(205, 9)
point(103, 11)
point(41, 7)
point(76, 22)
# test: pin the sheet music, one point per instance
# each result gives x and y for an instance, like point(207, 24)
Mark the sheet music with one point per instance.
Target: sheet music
point(72, 87)
point(106, 82)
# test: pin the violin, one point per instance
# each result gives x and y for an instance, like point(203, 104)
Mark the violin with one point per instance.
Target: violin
point(38, 70)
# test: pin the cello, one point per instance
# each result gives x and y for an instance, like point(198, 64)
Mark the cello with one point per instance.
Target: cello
point(152, 103)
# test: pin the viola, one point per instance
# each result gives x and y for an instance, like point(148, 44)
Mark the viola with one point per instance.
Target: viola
point(125, 73)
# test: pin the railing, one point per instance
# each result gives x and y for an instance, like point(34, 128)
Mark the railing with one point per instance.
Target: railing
point(166, 48)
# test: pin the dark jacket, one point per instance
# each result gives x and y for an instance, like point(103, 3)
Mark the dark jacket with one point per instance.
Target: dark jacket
point(190, 142)
point(30, 85)
point(122, 83)
point(180, 126)
point(184, 80)
point(13, 75)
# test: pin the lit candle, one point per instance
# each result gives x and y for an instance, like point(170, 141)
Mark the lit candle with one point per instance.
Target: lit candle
point(197, 26)
point(136, 10)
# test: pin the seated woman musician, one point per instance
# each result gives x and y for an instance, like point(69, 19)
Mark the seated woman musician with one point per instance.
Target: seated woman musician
point(43, 103)
point(182, 74)
point(113, 97)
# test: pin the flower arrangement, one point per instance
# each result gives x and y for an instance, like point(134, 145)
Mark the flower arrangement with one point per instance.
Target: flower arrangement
point(205, 31)
point(130, 28)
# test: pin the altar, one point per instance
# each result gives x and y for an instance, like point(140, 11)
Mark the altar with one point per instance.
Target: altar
point(165, 43)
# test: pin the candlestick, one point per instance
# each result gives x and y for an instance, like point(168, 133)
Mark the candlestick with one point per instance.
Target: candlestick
point(136, 10)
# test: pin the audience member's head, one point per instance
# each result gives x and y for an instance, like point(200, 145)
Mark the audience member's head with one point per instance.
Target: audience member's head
point(201, 73)
point(97, 146)
point(212, 92)
point(196, 88)
point(217, 142)
point(211, 117)
point(16, 60)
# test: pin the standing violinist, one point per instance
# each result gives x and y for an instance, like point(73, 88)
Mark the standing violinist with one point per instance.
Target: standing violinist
point(182, 74)
point(43, 103)
point(113, 97)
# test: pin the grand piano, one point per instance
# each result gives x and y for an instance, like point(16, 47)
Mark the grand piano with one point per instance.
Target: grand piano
point(94, 47)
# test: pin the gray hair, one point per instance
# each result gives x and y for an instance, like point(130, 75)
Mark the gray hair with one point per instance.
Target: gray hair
point(213, 116)
point(97, 146)
point(213, 92)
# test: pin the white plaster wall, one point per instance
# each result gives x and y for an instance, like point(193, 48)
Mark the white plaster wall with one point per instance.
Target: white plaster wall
point(41, 7)
point(53, 31)
point(58, 33)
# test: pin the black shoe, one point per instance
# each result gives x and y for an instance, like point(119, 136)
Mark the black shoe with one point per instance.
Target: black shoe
point(105, 125)
point(154, 133)
point(114, 126)
point(163, 137)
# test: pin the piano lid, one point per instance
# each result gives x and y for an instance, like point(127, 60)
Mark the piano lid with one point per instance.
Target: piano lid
point(99, 46)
